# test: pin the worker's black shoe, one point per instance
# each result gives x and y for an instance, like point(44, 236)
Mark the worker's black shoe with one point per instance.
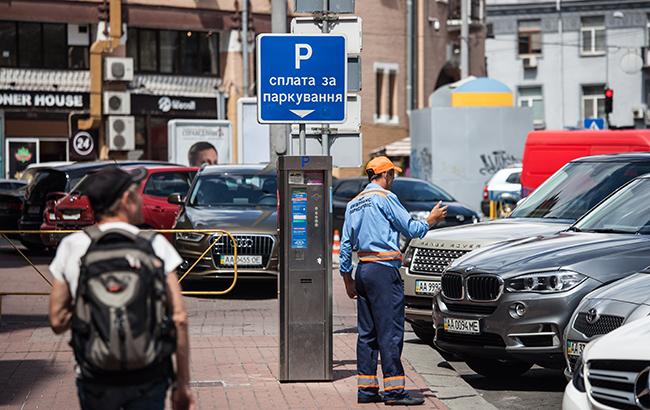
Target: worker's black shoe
point(376, 398)
point(405, 400)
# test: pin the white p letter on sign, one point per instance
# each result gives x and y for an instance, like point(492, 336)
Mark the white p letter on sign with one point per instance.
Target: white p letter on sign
point(302, 57)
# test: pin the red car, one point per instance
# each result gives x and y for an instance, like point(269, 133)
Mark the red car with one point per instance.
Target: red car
point(73, 211)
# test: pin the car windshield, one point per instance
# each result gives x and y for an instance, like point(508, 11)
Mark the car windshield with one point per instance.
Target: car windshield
point(624, 212)
point(419, 191)
point(579, 186)
point(44, 182)
point(234, 190)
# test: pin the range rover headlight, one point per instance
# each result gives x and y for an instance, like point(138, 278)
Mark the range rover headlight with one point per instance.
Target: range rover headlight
point(545, 282)
point(408, 256)
point(189, 236)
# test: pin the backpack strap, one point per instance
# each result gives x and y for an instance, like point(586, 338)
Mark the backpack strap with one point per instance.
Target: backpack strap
point(93, 232)
point(149, 236)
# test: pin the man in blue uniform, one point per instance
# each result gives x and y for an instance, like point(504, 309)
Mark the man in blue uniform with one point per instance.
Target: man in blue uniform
point(373, 222)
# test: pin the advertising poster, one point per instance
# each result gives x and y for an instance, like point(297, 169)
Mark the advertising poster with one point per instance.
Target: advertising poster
point(198, 142)
point(20, 155)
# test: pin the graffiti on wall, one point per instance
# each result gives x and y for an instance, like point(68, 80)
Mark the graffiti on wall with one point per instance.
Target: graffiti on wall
point(421, 166)
point(496, 161)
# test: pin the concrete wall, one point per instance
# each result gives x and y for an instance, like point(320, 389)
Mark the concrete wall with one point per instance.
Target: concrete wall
point(562, 71)
point(459, 149)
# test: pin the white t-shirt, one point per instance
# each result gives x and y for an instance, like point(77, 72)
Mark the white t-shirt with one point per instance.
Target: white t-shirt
point(66, 264)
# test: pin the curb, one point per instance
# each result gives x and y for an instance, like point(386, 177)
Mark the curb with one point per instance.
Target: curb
point(441, 377)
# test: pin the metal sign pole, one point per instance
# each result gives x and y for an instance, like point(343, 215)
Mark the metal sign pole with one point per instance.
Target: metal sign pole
point(302, 139)
point(325, 140)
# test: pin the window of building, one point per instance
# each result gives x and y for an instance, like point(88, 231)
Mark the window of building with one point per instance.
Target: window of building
point(148, 50)
point(30, 45)
point(169, 51)
point(386, 110)
point(532, 97)
point(164, 50)
point(8, 39)
point(44, 45)
point(592, 35)
point(593, 101)
point(529, 37)
point(55, 47)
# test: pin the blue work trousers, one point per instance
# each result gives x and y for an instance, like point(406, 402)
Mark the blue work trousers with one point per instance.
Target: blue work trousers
point(380, 315)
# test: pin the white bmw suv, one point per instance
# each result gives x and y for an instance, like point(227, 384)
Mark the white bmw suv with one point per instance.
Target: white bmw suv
point(614, 371)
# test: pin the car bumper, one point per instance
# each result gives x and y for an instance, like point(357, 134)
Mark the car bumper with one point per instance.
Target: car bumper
point(416, 307)
point(536, 337)
point(205, 268)
point(575, 400)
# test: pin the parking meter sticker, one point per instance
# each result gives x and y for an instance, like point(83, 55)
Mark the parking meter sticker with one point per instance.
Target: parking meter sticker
point(314, 178)
point(296, 178)
point(299, 219)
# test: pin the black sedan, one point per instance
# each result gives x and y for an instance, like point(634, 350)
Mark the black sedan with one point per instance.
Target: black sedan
point(417, 196)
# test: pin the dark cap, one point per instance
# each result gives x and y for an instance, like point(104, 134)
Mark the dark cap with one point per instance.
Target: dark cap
point(107, 185)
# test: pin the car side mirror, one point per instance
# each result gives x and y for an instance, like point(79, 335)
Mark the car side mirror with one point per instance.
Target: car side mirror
point(175, 199)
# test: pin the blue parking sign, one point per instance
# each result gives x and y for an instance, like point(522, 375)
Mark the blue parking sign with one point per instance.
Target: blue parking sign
point(301, 79)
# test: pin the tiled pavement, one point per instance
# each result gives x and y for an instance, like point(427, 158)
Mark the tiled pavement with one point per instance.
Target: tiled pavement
point(234, 353)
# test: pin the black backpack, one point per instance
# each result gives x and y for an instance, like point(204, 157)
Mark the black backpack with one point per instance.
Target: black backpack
point(121, 319)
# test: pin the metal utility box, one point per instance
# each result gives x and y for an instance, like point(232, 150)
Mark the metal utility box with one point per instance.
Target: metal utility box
point(305, 268)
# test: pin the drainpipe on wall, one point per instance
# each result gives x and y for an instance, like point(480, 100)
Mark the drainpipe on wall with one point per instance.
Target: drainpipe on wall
point(409, 56)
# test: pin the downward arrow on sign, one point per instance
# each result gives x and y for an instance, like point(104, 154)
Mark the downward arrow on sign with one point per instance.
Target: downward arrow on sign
point(302, 113)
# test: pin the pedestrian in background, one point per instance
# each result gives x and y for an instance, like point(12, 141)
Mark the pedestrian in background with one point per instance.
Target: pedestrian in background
point(373, 222)
point(117, 289)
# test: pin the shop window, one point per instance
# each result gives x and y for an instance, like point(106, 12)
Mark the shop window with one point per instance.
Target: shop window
point(8, 41)
point(55, 46)
point(532, 97)
point(190, 53)
point(209, 53)
point(593, 101)
point(592, 35)
point(529, 37)
point(30, 45)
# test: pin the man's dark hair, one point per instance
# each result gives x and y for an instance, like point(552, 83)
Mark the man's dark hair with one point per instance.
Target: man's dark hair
point(198, 147)
point(372, 176)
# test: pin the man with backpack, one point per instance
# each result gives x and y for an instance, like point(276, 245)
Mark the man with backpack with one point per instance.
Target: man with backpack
point(116, 288)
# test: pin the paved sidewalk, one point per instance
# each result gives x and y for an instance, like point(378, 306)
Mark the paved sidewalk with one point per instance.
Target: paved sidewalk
point(228, 372)
point(234, 350)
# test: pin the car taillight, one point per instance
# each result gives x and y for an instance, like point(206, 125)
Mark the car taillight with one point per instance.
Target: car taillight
point(485, 192)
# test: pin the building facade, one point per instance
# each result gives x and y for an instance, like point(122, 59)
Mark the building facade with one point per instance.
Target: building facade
point(188, 63)
point(559, 56)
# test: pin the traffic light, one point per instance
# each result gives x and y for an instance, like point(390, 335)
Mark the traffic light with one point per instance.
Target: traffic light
point(609, 100)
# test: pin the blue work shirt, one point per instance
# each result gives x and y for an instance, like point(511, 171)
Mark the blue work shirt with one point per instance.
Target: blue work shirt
point(373, 222)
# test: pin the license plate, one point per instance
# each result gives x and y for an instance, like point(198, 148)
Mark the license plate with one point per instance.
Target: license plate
point(71, 217)
point(466, 326)
point(426, 287)
point(575, 348)
point(242, 260)
point(34, 209)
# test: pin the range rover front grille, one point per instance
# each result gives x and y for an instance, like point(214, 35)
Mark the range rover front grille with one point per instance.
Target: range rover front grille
point(484, 288)
point(434, 261)
point(603, 325)
point(248, 245)
point(452, 286)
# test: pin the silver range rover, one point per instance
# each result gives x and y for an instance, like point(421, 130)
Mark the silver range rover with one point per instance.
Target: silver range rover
point(551, 208)
point(605, 310)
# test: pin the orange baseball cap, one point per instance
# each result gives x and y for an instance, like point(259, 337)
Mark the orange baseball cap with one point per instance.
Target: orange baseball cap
point(382, 164)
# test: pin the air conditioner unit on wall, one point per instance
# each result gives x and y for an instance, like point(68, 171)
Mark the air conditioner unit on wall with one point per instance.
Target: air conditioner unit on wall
point(118, 69)
point(120, 133)
point(117, 103)
point(529, 62)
